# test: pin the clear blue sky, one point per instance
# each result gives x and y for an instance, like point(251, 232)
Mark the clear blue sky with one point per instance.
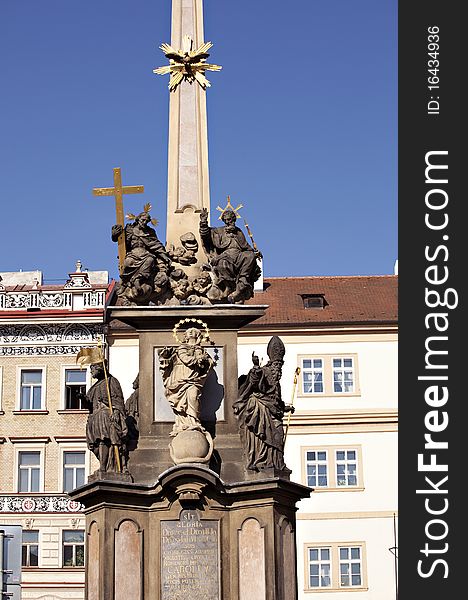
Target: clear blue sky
point(302, 126)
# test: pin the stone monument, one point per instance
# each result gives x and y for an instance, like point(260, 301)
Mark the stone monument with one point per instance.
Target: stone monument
point(202, 506)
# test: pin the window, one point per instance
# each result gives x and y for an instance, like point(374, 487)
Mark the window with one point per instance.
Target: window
point(350, 566)
point(335, 566)
point(314, 300)
point(31, 389)
point(75, 385)
point(73, 470)
point(29, 471)
point(346, 467)
point(30, 549)
point(329, 375)
point(312, 375)
point(73, 548)
point(343, 375)
point(316, 468)
point(319, 567)
point(330, 468)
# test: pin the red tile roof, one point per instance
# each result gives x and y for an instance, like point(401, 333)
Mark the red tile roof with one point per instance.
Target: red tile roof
point(348, 300)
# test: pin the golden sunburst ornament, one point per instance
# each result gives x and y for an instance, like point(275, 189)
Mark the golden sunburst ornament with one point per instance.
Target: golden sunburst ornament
point(187, 64)
point(146, 208)
point(230, 207)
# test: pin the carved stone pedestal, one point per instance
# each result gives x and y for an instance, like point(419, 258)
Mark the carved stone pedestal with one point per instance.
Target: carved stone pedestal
point(190, 531)
point(191, 536)
point(155, 325)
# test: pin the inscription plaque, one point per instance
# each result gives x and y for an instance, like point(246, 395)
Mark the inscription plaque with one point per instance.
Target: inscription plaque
point(190, 558)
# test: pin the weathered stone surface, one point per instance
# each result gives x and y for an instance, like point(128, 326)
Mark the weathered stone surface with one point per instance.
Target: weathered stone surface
point(190, 563)
point(93, 563)
point(252, 561)
point(127, 562)
point(191, 446)
point(235, 522)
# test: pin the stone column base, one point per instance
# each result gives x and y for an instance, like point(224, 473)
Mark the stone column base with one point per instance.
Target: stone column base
point(191, 535)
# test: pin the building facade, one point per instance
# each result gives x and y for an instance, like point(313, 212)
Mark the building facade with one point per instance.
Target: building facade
point(340, 332)
point(43, 449)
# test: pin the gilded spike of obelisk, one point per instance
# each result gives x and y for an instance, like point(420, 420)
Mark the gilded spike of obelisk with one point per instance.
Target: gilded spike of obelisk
point(188, 180)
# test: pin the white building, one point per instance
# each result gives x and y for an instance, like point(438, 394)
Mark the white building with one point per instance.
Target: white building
point(342, 440)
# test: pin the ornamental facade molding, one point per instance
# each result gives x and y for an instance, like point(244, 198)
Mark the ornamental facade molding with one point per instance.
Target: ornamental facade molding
point(40, 350)
point(52, 300)
point(39, 504)
point(53, 332)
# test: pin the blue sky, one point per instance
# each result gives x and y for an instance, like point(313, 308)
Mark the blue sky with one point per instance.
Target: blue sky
point(302, 128)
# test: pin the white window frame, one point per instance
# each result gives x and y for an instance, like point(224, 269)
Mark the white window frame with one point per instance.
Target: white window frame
point(63, 370)
point(328, 370)
point(332, 475)
point(30, 544)
point(19, 370)
point(346, 462)
point(30, 447)
point(62, 546)
point(67, 446)
point(349, 562)
point(335, 566)
point(313, 370)
point(317, 463)
point(342, 370)
point(321, 563)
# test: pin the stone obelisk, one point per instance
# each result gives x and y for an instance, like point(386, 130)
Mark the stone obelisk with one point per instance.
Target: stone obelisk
point(188, 181)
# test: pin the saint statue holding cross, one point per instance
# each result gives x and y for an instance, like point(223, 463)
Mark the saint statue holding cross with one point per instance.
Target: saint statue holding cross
point(145, 259)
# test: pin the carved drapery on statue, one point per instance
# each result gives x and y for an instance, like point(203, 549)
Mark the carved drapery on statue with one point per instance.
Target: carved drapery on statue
point(132, 415)
point(232, 260)
point(260, 411)
point(146, 263)
point(106, 428)
point(152, 274)
point(184, 371)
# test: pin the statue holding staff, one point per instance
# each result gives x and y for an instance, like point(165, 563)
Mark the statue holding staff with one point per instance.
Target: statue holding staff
point(106, 428)
point(260, 411)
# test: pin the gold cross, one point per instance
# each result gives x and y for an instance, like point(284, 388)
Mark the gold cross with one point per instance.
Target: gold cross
point(229, 206)
point(118, 190)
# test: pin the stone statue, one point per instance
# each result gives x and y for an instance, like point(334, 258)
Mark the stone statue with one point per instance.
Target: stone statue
point(132, 417)
point(106, 429)
point(186, 254)
point(184, 370)
point(145, 257)
point(260, 412)
point(232, 260)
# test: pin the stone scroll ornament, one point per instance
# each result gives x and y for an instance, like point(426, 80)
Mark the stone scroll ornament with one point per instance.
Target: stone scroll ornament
point(106, 428)
point(185, 369)
point(260, 411)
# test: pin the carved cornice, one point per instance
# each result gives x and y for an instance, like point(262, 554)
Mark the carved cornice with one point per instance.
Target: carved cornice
point(51, 300)
point(39, 350)
point(39, 504)
point(54, 332)
point(47, 339)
